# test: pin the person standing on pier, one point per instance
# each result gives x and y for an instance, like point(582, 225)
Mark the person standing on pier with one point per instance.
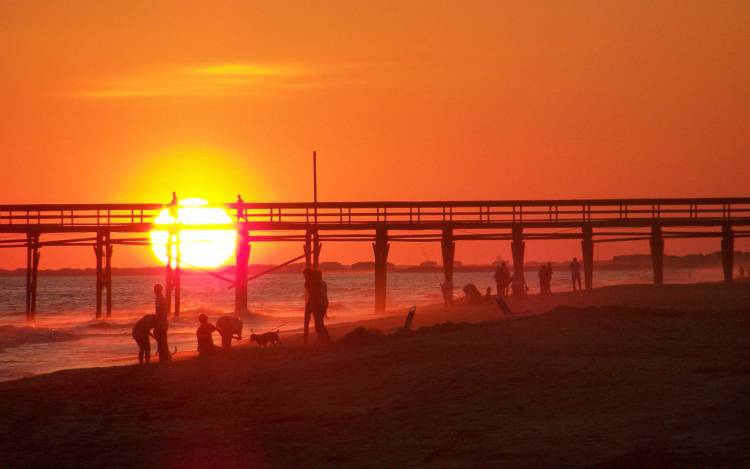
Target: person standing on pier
point(162, 323)
point(575, 273)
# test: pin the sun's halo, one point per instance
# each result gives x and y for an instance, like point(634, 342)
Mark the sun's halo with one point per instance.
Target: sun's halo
point(203, 247)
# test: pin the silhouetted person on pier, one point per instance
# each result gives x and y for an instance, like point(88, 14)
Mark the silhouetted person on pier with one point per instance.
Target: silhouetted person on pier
point(205, 336)
point(472, 294)
point(502, 279)
point(240, 210)
point(229, 327)
point(575, 273)
point(543, 280)
point(162, 323)
point(142, 335)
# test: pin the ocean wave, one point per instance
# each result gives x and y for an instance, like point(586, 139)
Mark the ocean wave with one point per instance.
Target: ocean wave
point(13, 336)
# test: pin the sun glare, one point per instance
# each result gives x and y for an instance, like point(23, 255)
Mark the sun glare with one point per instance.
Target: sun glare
point(202, 247)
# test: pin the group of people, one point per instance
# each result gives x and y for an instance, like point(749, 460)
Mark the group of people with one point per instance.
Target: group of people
point(545, 279)
point(156, 325)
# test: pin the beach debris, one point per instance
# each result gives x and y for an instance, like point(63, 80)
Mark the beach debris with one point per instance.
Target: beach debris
point(363, 336)
point(407, 324)
point(503, 305)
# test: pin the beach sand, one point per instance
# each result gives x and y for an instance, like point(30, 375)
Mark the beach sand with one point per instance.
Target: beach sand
point(588, 384)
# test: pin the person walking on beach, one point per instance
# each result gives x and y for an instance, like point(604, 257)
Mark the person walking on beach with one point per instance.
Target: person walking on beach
point(575, 273)
point(308, 274)
point(162, 324)
point(142, 335)
point(229, 327)
point(542, 280)
point(205, 336)
point(502, 279)
point(320, 310)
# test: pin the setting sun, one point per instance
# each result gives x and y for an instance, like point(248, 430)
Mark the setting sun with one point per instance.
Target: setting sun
point(203, 247)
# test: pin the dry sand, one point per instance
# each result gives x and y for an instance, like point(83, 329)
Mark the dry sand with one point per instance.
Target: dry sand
point(591, 385)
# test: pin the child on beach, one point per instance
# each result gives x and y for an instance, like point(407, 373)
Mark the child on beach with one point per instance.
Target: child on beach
point(141, 334)
point(205, 335)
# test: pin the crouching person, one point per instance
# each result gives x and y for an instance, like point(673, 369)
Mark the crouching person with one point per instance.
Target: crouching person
point(205, 335)
point(229, 327)
point(142, 334)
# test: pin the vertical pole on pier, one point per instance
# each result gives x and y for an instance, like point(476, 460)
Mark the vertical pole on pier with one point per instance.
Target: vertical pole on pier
point(99, 252)
point(29, 264)
point(449, 250)
point(108, 272)
point(317, 246)
point(657, 254)
point(727, 252)
point(177, 275)
point(517, 247)
point(32, 269)
point(587, 246)
point(240, 269)
point(380, 248)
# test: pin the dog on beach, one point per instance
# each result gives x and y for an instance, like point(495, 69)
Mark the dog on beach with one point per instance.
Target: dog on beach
point(267, 339)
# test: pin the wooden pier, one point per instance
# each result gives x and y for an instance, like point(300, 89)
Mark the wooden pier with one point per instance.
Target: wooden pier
point(381, 223)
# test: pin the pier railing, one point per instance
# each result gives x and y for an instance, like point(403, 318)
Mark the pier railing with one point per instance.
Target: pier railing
point(343, 215)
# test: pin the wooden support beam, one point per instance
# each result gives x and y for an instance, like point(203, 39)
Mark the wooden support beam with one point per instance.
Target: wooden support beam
point(99, 252)
point(657, 254)
point(517, 247)
point(587, 246)
point(449, 250)
point(240, 270)
point(176, 275)
point(727, 252)
point(380, 248)
point(108, 272)
point(32, 269)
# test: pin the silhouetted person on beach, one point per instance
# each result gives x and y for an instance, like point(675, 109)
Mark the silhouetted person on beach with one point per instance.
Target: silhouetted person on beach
point(308, 274)
point(518, 286)
point(205, 336)
point(229, 327)
point(472, 294)
point(320, 310)
point(543, 280)
point(502, 279)
point(240, 210)
point(575, 273)
point(142, 335)
point(162, 323)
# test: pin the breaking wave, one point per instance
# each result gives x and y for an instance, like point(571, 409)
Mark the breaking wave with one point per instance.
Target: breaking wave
point(13, 336)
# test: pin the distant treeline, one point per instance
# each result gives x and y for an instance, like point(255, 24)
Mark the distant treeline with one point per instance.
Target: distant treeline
point(626, 262)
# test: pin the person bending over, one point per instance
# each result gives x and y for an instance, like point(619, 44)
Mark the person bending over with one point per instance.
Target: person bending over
point(229, 327)
point(141, 334)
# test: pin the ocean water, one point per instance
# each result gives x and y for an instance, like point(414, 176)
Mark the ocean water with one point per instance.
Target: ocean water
point(67, 335)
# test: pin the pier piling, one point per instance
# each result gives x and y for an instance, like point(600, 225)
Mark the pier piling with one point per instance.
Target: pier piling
point(99, 252)
point(108, 272)
point(380, 247)
point(657, 254)
point(32, 268)
point(240, 270)
point(517, 247)
point(587, 246)
point(727, 252)
point(449, 250)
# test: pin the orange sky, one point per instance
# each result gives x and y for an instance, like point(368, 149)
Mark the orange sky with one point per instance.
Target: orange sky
point(127, 101)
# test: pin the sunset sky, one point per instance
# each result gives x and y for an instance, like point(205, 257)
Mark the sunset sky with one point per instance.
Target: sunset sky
point(407, 100)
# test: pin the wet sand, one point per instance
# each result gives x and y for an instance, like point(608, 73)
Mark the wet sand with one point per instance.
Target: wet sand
point(584, 385)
